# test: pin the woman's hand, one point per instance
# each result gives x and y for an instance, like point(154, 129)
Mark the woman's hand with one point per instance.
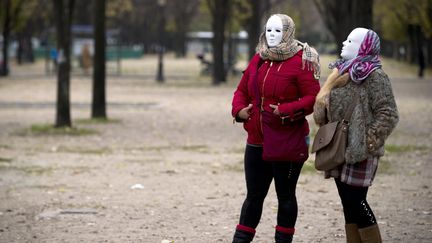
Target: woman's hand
point(275, 109)
point(245, 112)
point(373, 141)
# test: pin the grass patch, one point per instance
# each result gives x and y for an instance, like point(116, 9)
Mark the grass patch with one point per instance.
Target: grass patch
point(5, 160)
point(308, 167)
point(236, 167)
point(151, 148)
point(200, 148)
point(392, 148)
point(237, 150)
point(92, 121)
point(4, 146)
point(146, 160)
point(45, 187)
point(49, 129)
point(82, 150)
point(35, 170)
point(29, 170)
point(78, 169)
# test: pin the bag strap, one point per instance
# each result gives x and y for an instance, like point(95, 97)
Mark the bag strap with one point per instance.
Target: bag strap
point(350, 109)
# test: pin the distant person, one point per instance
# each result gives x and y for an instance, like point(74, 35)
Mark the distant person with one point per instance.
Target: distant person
point(207, 66)
point(54, 56)
point(359, 74)
point(276, 91)
point(86, 58)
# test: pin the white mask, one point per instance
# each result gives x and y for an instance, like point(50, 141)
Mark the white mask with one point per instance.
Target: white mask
point(353, 42)
point(274, 31)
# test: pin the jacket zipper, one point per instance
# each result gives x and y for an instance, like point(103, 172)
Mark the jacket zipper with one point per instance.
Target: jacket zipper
point(262, 96)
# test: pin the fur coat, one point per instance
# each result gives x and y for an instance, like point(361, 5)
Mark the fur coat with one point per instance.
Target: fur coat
point(373, 119)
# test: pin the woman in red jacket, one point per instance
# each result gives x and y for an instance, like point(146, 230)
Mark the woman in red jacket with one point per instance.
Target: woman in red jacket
point(276, 92)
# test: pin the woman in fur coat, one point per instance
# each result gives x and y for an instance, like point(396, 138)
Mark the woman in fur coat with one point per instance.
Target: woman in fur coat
point(358, 74)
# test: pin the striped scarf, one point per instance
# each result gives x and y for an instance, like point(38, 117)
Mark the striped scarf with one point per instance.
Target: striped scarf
point(289, 47)
point(366, 61)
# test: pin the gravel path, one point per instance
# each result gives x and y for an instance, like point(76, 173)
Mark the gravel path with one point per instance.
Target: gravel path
point(169, 167)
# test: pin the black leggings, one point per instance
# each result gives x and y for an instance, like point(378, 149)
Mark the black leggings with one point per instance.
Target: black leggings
point(356, 208)
point(259, 175)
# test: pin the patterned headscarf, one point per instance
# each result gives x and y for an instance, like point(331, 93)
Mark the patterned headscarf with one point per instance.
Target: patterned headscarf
point(289, 47)
point(366, 61)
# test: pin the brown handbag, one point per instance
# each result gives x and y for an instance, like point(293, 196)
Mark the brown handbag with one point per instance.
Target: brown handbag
point(331, 141)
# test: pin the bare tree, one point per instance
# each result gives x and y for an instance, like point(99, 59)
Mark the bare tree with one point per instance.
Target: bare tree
point(183, 13)
point(4, 70)
point(137, 21)
point(99, 101)
point(63, 12)
point(10, 11)
point(253, 25)
point(341, 16)
point(219, 18)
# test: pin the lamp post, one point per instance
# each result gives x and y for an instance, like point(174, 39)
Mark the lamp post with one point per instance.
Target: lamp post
point(161, 47)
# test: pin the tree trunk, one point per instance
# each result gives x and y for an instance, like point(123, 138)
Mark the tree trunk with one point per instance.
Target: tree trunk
point(183, 13)
point(412, 43)
point(24, 52)
point(254, 26)
point(429, 52)
point(20, 49)
point(420, 51)
point(409, 52)
point(395, 50)
point(183, 46)
point(362, 13)
point(341, 17)
point(146, 39)
point(160, 78)
point(98, 101)
point(30, 56)
point(180, 43)
point(4, 69)
point(230, 55)
point(219, 20)
point(63, 11)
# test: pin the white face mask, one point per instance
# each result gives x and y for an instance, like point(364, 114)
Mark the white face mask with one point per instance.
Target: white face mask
point(353, 42)
point(274, 31)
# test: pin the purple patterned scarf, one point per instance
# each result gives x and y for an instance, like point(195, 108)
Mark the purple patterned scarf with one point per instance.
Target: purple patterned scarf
point(366, 61)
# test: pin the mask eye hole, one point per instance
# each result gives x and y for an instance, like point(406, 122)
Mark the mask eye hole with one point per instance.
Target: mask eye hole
point(349, 41)
point(278, 31)
point(268, 30)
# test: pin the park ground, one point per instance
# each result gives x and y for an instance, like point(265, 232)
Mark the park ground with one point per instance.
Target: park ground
point(167, 165)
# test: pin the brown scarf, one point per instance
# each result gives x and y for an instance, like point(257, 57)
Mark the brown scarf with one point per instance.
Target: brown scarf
point(289, 47)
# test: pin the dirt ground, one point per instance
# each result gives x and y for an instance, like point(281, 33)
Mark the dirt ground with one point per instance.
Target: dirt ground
point(169, 164)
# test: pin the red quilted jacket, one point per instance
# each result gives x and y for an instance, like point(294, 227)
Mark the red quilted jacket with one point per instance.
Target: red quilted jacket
point(284, 83)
